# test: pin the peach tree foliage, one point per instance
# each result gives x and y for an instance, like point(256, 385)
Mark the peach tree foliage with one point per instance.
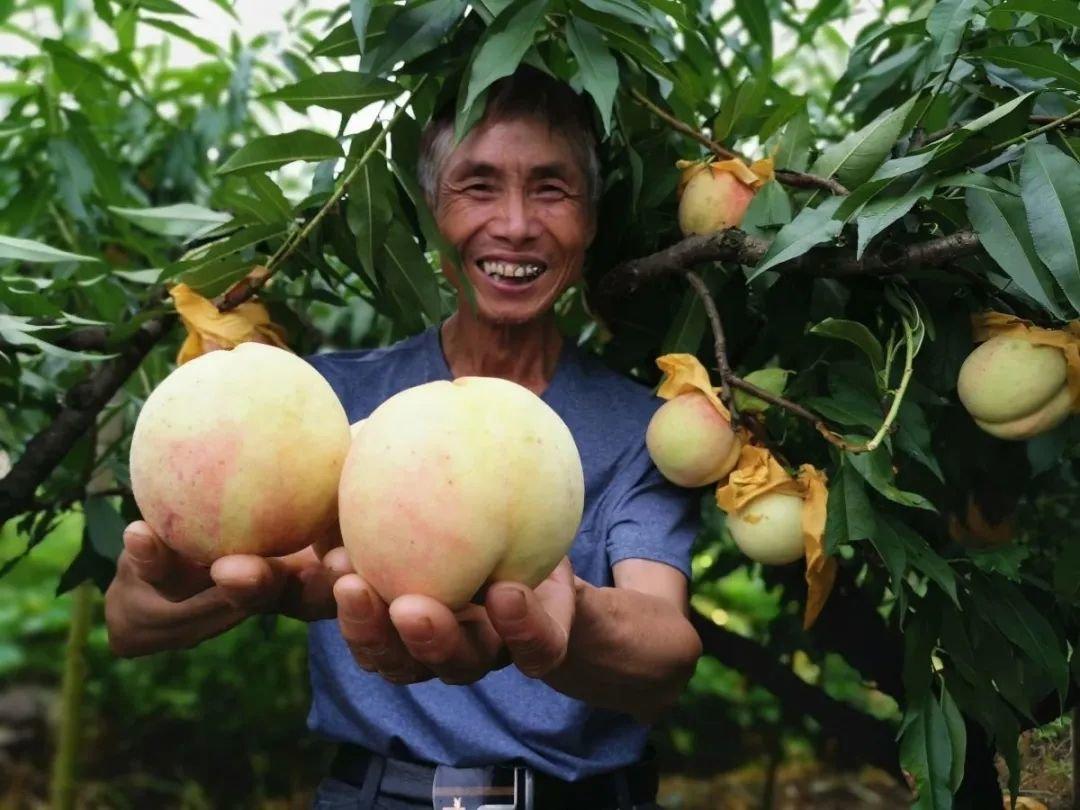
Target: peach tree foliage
point(934, 177)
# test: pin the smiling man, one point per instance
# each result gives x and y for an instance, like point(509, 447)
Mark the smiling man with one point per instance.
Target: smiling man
point(537, 698)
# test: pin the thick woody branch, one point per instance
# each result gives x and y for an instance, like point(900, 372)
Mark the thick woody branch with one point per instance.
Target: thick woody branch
point(871, 740)
point(787, 178)
point(44, 452)
point(735, 246)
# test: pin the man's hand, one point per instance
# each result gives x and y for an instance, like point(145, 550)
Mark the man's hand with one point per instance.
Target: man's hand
point(160, 600)
point(416, 638)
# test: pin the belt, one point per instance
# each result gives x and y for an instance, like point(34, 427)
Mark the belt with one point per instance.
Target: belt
point(494, 787)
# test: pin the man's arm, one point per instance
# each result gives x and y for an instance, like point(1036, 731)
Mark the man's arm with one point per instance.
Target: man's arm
point(631, 647)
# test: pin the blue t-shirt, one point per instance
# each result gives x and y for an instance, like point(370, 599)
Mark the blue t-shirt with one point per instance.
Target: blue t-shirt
point(630, 512)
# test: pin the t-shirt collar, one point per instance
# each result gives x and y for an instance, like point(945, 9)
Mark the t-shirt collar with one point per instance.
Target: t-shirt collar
point(440, 368)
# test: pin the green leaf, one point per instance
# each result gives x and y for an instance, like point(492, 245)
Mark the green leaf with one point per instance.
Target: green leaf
point(979, 135)
point(954, 722)
point(793, 153)
point(428, 227)
point(1004, 604)
point(876, 468)
point(272, 197)
point(946, 24)
point(16, 331)
point(687, 328)
point(598, 68)
point(1034, 60)
point(811, 227)
point(755, 16)
point(913, 437)
point(27, 250)
point(849, 516)
point(926, 752)
point(884, 211)
point(773, 380)
point(104, 526)
point(416, 29)
point(1063, 11)
point(272, 151)
point(359, 14)
point(921, 556)
point(181, 219)
point(629, 41)
point(743, 103)
point(408, 275)
point(855, 333)
point(1050, 185)
point(341, 41)
point(343, 91)
point(854, 160)
point(1002, 227)
point(500, 51)
point(370, 207)
point(627, 10)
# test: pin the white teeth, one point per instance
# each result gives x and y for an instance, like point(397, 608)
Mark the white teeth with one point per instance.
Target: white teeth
point(511, 269)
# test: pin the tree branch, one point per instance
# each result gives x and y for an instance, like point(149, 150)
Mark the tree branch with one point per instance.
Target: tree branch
point(729, 380)
point(719, 342)
point(866, 738)
point(786, 177)
point(733, 245)
point(81, 406)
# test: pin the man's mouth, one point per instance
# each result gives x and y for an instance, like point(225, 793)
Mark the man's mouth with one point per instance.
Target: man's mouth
point(513, 272)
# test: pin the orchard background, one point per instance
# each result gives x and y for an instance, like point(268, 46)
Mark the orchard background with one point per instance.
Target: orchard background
point(927, 157)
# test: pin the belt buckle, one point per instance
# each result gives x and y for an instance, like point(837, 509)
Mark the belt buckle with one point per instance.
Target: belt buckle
point(486, 788)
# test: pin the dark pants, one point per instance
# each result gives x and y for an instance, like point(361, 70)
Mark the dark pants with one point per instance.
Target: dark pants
point(407, 786)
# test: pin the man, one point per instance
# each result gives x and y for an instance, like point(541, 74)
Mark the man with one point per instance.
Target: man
point(556, 685)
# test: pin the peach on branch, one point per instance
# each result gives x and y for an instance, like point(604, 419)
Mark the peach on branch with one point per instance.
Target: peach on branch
point(451, 485)
point(240, 451)
point(1015, 389)
point(715, 195)
point(769, 529)
point(691, 442)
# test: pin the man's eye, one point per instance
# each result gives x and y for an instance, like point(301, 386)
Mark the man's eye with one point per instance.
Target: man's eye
point(478, 188)
point(551, 192)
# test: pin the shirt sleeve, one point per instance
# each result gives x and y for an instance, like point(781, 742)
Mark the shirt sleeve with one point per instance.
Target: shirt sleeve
point(652, 519)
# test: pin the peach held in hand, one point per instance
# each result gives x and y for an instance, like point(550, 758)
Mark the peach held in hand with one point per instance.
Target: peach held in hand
point(690, 442)
point(240, 452)
point(1015, 389)
point(451, 485)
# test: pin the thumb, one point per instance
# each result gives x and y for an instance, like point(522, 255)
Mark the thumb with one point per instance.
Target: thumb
point(249, 582)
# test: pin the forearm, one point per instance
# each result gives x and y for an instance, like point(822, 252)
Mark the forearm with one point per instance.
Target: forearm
point(140, 626)
point(628, 651)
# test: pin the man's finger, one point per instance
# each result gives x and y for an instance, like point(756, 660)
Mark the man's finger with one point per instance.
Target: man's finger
point(155, 563)
point(249, 582)
point(434, 635)
point(537, 642)
point(366, 627)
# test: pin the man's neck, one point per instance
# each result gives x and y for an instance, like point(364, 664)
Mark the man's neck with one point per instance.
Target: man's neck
point(524, 353)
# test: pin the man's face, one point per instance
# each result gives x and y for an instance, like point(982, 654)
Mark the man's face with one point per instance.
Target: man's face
point(513, 200)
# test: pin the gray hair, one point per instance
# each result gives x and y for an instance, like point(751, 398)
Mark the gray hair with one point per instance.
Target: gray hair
point(526, 93)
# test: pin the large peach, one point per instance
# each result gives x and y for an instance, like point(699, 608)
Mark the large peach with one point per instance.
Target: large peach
point(1015, 389)
point(690, 442)
point(713, 201)
point(769, 529)
point(240, 451)
point(451, 485)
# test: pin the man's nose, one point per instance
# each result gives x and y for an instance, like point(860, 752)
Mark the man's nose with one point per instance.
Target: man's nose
point(515, 220)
